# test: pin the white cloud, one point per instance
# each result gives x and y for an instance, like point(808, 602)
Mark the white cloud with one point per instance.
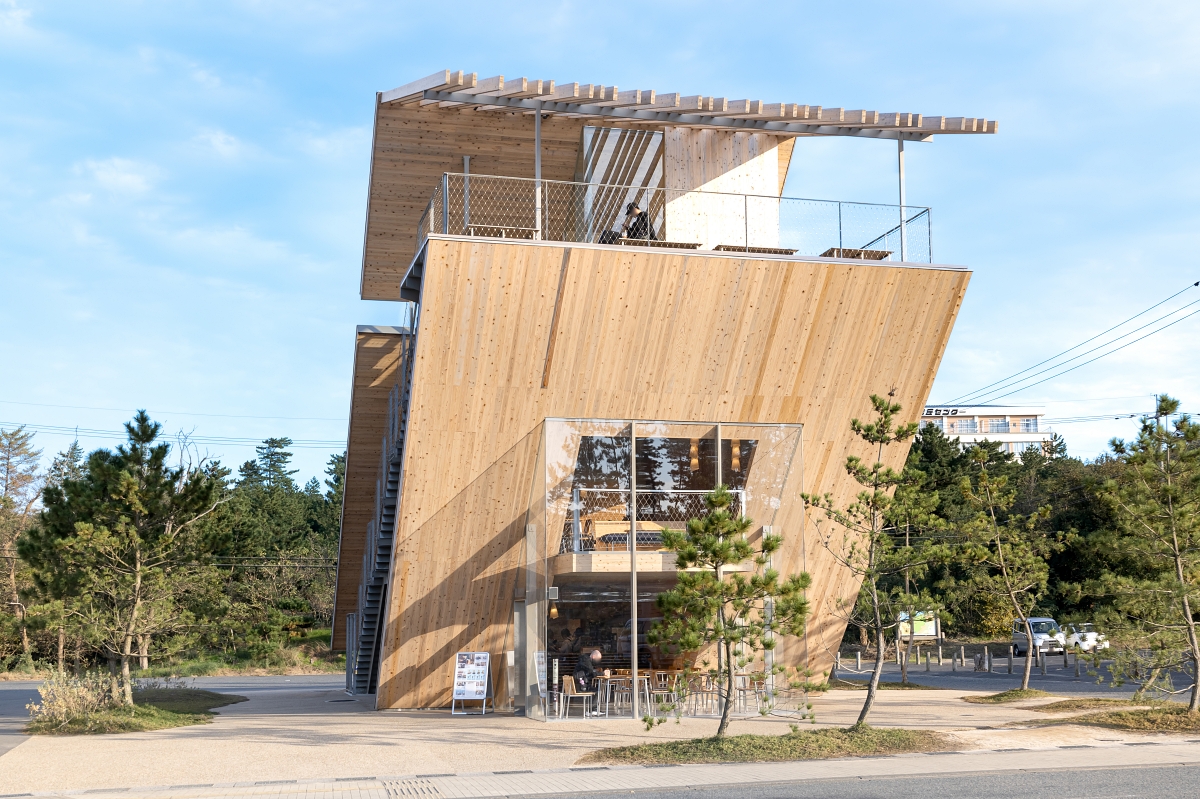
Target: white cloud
point(222, 143)
point(122, 175)
point(12, 17)
point(335, 145)
point(205, 78)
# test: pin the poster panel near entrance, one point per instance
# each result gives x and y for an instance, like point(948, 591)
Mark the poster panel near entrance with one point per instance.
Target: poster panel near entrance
point(472, 681)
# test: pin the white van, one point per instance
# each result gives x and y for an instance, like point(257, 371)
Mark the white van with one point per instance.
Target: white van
point(1047, 636)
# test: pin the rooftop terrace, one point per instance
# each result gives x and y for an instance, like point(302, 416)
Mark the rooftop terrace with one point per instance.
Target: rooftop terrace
point(595, 213)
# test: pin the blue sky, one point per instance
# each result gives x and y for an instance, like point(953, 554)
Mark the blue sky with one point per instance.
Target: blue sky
point(182, 185)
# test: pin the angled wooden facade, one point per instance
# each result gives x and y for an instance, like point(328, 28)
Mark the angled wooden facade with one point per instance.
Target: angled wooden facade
point(510, 333)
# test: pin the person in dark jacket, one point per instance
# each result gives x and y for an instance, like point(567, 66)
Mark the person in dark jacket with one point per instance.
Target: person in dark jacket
point(586, 677)
point(637, 224)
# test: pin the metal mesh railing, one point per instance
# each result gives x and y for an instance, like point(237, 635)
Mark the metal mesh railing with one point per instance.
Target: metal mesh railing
point(598, 518)
point(550, 210)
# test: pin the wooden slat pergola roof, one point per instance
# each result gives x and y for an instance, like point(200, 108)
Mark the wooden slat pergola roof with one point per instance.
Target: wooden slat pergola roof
point(606, 105)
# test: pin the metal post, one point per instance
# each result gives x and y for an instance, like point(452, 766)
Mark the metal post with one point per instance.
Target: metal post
point(746, 219)
point(633, 588)
point(929, 232)
point(576, 543)
point(903, 232)
point(721, 649)
point(467, 195)
point(839, 228)
point(858, 660)
point(537, 175)
point(445, 202)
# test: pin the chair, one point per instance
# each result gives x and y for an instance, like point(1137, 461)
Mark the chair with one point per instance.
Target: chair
point(569, 692)
point(622, 694)
point(704, 696)
point(664, 692)
point(743, 688)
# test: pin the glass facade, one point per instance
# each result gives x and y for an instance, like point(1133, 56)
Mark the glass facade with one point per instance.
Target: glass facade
point(596, 482)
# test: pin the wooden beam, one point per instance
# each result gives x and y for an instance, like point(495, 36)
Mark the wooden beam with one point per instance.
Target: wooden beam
point(438, 81)
point(629, 97)
point(493, 85)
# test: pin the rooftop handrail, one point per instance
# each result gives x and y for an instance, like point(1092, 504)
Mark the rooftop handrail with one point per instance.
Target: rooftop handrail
point(492, 206)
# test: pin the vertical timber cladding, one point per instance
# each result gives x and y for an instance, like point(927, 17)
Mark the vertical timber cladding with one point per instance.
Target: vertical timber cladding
point(642, 335)
point(376, 355)
point(414, 146)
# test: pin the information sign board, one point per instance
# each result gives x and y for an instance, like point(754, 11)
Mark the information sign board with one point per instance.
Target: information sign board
point(540, 659)
point(472, 680)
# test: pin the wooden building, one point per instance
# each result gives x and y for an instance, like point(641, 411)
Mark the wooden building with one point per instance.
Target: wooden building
point(581, 271)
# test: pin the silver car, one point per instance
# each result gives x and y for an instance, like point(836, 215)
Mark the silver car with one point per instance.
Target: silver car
point(1047, 636)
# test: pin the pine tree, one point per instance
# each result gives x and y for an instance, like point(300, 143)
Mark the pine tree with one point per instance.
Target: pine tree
point(1007, 551)
point(124, 540)
point(741, 613)
point(1155, 497)
point(862, 536)
point(20, 489)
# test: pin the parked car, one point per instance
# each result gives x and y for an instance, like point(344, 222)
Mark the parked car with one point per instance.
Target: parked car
point(1047, 636)
point(1085, 636)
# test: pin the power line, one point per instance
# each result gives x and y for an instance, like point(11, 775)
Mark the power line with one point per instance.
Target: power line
point(215, 440)
point(1080, 344)
point(178, 413)
point(1093, 360)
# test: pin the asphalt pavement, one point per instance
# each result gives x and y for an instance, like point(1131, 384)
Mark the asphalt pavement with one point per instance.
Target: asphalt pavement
point(1058, 679)
point(1161, 782)
point(14, 696)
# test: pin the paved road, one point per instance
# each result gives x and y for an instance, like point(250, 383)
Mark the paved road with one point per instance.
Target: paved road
point(14, 696)
point(1057, 679)
point(1160, 782)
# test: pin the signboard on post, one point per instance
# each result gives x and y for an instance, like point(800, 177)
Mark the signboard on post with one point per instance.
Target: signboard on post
point(926, 626)
point(472, 682)
point(540, 660)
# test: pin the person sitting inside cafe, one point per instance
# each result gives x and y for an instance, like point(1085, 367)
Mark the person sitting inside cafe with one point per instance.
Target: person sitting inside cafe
point(586, 678)
point(637, 224)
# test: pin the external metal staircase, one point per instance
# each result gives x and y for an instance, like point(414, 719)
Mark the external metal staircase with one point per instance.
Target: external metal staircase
point(366, 627)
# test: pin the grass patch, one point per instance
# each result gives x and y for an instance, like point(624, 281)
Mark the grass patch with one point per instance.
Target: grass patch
point(1164, 718)
point(1015, 695)
point(839, 684)
point(799, 745)
point(184, 700)
point(156, 709)
point(1092, 703)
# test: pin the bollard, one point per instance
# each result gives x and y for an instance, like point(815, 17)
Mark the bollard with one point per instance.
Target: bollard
point(1065, 663)
point(837, 662)
point(897, 653)
point(1076, 662)
point(939, 654)
point(858, 661)
point(1010, 659)
point(954, 663)
point(926, 661)
point(918, 654)
point(1042, 658)
point(962, 656)
point(987, 660)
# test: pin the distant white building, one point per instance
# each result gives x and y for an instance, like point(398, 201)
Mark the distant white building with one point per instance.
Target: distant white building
point(1016, 427)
